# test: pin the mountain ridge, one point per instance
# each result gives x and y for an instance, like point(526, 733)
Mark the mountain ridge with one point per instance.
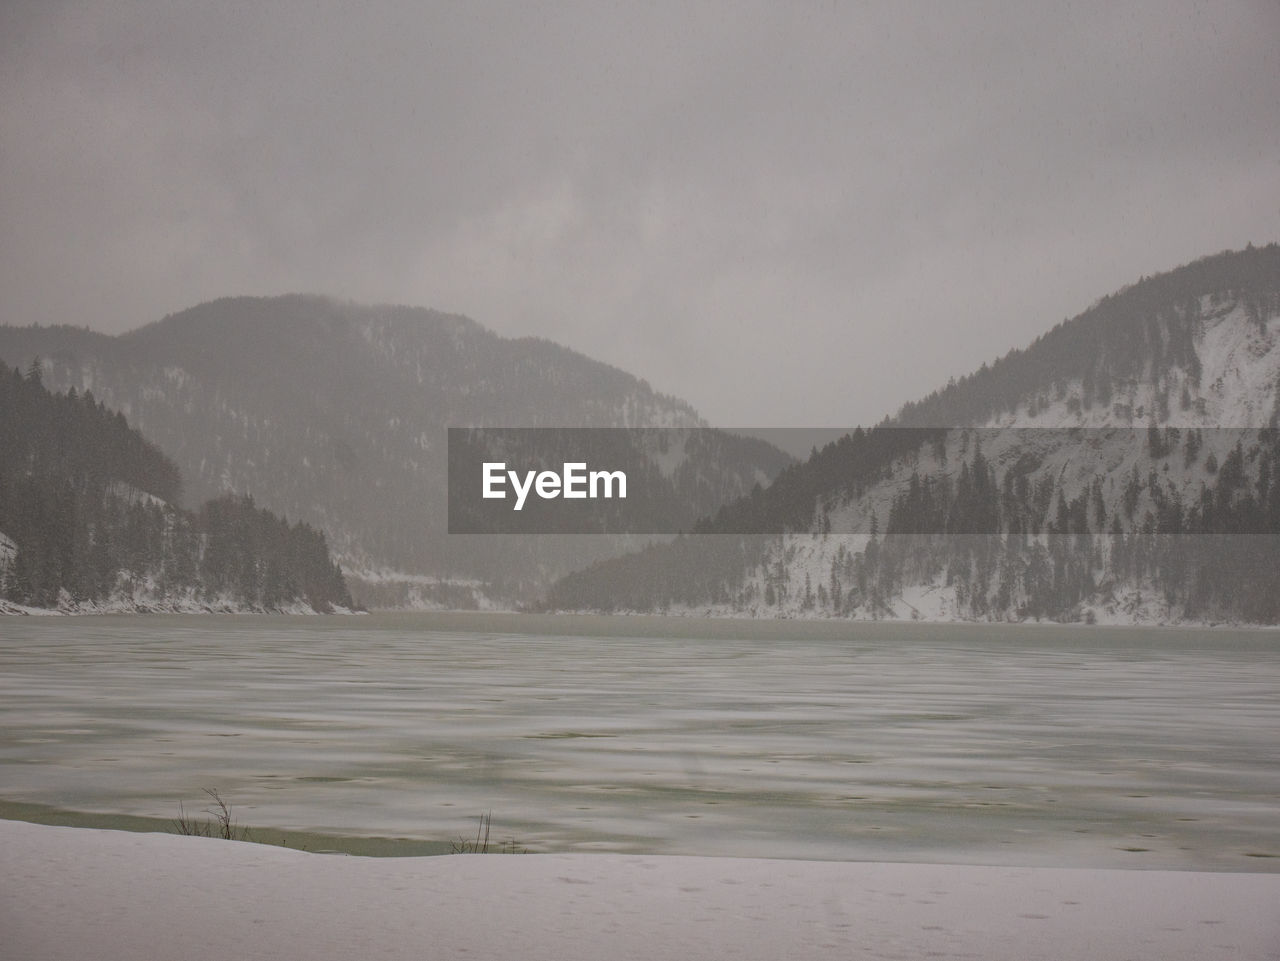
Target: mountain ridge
point(1129, 367)
point(335, 413)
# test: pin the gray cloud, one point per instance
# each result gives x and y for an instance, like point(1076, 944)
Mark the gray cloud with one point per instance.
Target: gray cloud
point(787, 213)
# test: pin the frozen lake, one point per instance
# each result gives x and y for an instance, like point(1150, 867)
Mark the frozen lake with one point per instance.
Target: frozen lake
point(997, 745)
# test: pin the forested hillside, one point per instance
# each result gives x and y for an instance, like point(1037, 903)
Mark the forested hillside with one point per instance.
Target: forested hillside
point(1122, 467)
point(336, 414)
point(87, 521)
point(1151, 333)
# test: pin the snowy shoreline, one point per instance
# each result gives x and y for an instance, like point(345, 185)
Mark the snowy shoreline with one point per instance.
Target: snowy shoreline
point(690, 615)
point(77, 892)
point(94, 609)
point(728, 614)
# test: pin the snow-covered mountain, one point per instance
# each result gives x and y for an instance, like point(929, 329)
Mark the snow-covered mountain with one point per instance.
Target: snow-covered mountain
point(335, 414)
point(1108, 472)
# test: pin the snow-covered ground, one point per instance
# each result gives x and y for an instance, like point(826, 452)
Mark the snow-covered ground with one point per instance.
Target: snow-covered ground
point(78, 893)
point(181, 604)
point(386, 587)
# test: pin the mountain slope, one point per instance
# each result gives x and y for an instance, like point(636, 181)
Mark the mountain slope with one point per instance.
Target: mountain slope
point(88, 523)
point(336, 414)
point(1141, 343)
point(1108, 472)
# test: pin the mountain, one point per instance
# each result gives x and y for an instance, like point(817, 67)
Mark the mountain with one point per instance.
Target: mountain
point(336, 414)
point(88, 522)
point(1123, 467)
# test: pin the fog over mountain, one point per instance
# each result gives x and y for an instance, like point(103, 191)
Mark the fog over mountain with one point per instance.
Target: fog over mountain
point(788, 214)
point(336, 414)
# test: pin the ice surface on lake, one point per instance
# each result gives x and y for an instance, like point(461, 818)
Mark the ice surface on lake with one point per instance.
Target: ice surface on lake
point(1018, 745)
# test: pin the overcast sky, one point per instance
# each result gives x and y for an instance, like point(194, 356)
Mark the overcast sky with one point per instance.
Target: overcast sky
point(789, 214)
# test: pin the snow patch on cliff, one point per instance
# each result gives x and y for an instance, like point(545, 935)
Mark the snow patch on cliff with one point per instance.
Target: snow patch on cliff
point(1237, 388)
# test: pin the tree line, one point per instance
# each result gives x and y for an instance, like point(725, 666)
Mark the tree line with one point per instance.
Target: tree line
point(90, 507)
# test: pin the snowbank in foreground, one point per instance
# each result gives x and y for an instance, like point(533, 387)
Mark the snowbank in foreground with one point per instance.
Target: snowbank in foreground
point(79, 893)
